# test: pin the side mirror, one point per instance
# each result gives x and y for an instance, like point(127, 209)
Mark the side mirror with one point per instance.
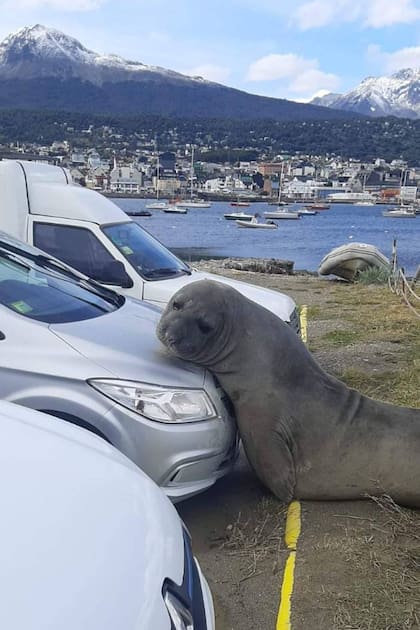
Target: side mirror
point(115, 273)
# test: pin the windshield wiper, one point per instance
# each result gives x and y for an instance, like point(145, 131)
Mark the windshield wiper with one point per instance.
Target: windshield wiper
point(167, 271)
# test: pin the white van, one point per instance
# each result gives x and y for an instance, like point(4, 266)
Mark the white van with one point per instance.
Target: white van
point(41, 205)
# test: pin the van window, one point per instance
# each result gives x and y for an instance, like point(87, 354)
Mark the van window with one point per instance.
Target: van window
point(143, 251)
point(78, 247)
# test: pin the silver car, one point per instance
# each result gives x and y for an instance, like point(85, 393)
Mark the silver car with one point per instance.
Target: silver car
point(75, 350)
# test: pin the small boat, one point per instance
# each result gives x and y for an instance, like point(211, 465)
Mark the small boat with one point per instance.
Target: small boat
point(242, 216)
point(400, 213)
point(305, 212)
point(175, 210)
point(254, 223)
point(348, 260)
point(138, 213)
point(193, 204)
point(318, 206)
point(364, 203)
point(240, 204)
point(156, 205)
point(282, 214)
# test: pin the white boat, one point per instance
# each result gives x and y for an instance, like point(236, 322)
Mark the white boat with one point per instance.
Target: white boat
point(175, 210)
point(348, 260)
point(193, 204)
point(365, 203)
point(307, 212)
point(156, 205)
point(242, 216)
point(255, 224)
point(401, 213)
point(282, 214)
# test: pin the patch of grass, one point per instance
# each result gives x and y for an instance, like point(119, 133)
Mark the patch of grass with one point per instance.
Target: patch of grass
point(400, 387)
point(373, 275)
point(340, 337)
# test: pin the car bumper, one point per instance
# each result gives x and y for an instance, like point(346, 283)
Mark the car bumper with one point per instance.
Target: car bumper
point(183, 459)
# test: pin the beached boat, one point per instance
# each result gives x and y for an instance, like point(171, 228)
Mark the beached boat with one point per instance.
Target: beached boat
point(282, 214)
point(400, 213)
point(348, 260)
point(254, 223)
point(242, 216)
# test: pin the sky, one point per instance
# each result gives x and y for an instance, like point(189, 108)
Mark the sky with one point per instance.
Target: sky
point(292, 49)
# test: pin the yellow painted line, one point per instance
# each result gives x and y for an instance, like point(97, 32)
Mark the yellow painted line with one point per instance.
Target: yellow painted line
point(304, 323)
point(293, 525)
point(283, 618)
point(292, 533)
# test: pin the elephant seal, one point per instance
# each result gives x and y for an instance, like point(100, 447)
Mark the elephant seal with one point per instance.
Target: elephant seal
point(306, 434)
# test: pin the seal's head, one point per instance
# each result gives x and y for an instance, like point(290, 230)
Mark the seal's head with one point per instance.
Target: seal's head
point(196, 322)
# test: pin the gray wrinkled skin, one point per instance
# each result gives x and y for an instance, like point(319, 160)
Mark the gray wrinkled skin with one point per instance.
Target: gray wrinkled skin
point(306, 434)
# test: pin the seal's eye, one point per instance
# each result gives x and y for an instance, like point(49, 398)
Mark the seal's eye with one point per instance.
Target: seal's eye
point(176, 306)
point(204, 326)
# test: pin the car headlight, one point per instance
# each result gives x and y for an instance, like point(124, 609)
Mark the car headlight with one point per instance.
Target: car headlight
point(181, 618)
point(162, 404)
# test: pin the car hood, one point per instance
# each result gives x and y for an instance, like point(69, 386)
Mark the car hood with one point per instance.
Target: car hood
point(279, 303)
point(124, 343)
point(86, 539)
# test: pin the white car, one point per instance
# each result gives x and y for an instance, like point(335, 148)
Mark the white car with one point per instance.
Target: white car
point(87, 541)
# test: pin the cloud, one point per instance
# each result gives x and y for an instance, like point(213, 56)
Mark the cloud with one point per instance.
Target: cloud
point(369, 13)
point(210, 71)
point(398, 60)
point(56, 5)
point(303, 75)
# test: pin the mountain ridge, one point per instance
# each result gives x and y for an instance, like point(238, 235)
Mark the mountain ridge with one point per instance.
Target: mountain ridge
point(43, 68)
point(394, 95)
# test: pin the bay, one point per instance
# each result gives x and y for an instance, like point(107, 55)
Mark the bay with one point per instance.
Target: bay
point(204, 232)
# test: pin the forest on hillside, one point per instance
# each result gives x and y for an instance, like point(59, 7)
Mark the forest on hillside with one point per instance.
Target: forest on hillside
point(218, 140)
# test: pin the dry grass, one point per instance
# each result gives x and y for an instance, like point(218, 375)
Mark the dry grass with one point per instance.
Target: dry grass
point(258, 538)
point(372, 315)
point(387, 560)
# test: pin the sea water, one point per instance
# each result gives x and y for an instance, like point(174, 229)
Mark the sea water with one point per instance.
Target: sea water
point(204, 232)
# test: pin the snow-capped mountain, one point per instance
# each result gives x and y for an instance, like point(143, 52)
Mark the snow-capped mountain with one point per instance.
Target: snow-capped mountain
point(37, 51)
point(395, 95)
point(42, 68)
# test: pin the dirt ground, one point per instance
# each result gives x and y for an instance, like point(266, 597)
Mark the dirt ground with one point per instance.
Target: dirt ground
point(358, 563)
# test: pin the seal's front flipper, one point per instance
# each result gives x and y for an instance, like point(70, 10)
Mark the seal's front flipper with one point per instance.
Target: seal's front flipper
point(274, 465)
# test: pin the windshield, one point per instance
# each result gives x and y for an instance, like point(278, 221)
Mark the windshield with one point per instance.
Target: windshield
point(46, 294)
point(149, 257)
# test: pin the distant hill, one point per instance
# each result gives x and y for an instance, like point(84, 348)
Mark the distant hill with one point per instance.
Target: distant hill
point(396, 95)
point(44, 69)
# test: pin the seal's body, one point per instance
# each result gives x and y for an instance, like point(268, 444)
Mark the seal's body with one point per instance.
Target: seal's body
point(306, 434)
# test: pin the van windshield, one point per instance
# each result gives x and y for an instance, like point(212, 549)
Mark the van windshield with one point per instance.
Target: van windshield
point(150, 258)
point(46, 294)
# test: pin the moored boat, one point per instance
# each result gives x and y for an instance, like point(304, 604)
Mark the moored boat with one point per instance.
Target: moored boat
point(254, 223)
point(242, 216)
point(175, 210)
point(240, 204)
point(348, 260)
point(156, 205)
point(408, 212)
point(306, 212)
point(282, 214)
point(138, 213)
point(318, 206)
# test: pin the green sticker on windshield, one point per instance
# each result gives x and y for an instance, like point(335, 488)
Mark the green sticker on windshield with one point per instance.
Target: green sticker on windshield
point(21, 307)
point(126, 250)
